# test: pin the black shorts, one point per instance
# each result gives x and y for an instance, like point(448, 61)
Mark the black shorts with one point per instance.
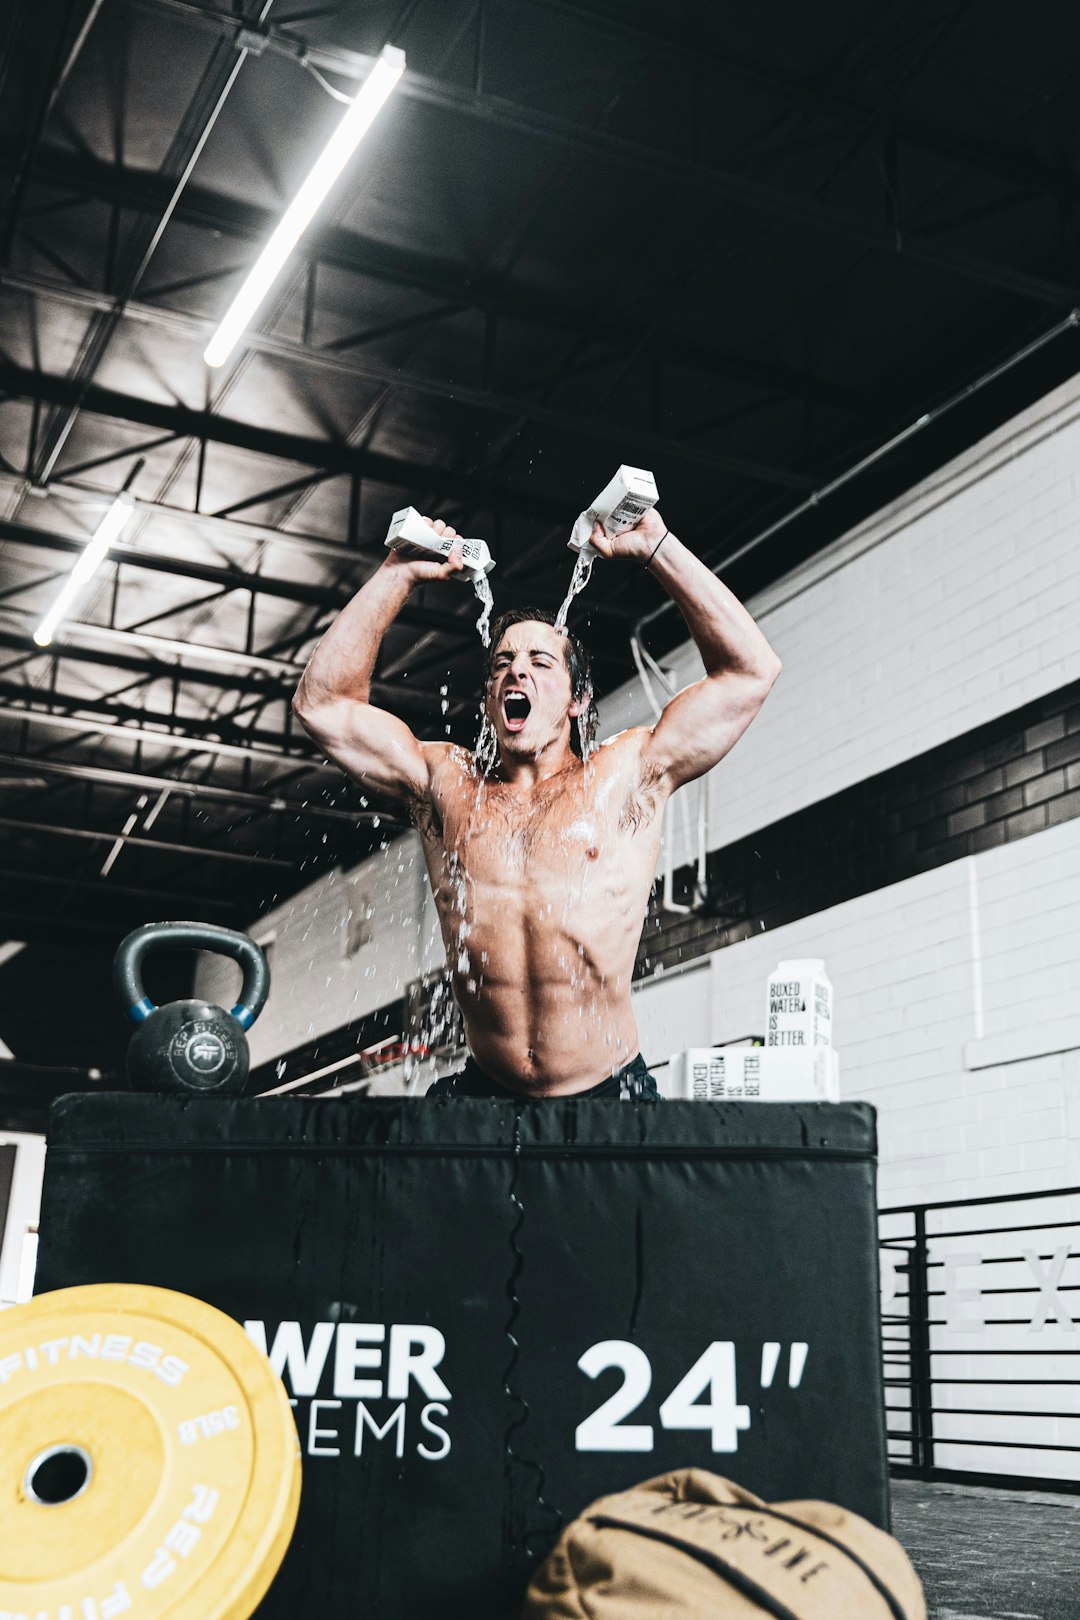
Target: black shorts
point(632, 1083)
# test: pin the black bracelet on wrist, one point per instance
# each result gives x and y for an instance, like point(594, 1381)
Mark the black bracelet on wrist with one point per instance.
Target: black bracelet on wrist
point(656, 548)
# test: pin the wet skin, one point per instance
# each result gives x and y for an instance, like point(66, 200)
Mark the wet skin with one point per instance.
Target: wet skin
point(541, 884)
point(541, 865)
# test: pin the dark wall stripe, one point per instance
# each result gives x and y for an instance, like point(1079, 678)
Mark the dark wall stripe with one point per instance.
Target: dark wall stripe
point(1017, 775)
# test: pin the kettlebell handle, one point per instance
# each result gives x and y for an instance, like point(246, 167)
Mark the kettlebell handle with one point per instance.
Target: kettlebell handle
point(127, 965)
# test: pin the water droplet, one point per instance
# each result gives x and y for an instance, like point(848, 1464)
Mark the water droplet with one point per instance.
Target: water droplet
point(486, 600)
point(487, 747)
point(578, 581)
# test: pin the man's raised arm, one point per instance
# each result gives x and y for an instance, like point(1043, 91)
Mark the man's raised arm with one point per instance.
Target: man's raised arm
point(332, 700)
point(705, 720)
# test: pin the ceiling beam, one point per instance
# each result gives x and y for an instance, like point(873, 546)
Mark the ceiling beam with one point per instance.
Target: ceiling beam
point(206, 425)
point(128, 724)
point(812, 97)
point(165, 648)
point(58, 880)
point(643, 442)
point(267, 801)
point(68, 41)
point(333, 456)
point(223, 531)
point(503, 113)
point(187, 661)
point(93, 725)
point(786, 206)
point(418, 701)
point(218, 76)
point(203, 852)
point(153, 669)
point(456, 627)
point(235, 579)
point(484, 292)
point(229, 532)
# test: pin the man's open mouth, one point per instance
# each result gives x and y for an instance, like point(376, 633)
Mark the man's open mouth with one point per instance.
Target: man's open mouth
point(516, 707)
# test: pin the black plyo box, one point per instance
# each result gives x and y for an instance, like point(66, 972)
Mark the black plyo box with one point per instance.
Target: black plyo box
point(488, 1314)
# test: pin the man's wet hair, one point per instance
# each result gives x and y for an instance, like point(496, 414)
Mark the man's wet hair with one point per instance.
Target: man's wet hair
point(578, 666)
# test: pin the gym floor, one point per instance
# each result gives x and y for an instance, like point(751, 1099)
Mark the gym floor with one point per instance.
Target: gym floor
point(986, 1554)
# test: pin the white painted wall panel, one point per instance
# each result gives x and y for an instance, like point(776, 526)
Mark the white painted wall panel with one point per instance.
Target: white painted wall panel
point(316, 986)
point(956, 604)
point(674, 1012)
point(24, 1207)
point(907, 963)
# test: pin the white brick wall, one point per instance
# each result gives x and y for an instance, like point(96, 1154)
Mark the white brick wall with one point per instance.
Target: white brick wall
point(906, 964)
point(956, 604)
point(315, 985)
point(673, 1013)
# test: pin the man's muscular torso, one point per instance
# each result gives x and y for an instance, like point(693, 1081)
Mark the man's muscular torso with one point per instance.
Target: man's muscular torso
point(541, 870)
point(541, 892)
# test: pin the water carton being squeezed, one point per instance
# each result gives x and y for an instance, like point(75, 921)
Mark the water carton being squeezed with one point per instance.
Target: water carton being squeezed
point(408, 528)
point(619, 506)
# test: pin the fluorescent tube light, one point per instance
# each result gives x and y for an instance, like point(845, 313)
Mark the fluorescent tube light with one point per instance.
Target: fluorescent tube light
point(358, 119)
point(86, 564)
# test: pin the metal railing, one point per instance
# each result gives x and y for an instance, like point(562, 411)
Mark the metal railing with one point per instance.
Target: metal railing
point(981, 1339)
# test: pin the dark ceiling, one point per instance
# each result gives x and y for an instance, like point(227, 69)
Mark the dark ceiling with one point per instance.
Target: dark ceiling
point(743, 246)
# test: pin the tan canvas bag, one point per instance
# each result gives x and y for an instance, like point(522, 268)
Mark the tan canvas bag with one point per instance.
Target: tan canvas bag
point(693, 1546)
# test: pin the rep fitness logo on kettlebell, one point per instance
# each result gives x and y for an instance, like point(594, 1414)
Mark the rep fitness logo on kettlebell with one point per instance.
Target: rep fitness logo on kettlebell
point(190, 1046)
point(200, 1052)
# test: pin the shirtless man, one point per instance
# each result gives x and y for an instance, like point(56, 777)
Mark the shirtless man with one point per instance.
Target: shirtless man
point(541, 866)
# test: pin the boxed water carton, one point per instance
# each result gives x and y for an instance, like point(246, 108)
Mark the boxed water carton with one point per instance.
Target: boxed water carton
point(754, 1074)
point(799, 1005)
point(408, 528)
point(716, 1073)
point(620, 505)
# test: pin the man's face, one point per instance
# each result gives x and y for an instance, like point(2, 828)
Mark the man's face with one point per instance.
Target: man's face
point(528, 693)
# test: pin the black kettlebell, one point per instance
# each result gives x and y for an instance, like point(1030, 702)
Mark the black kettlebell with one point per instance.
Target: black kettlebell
point(189, 1046)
